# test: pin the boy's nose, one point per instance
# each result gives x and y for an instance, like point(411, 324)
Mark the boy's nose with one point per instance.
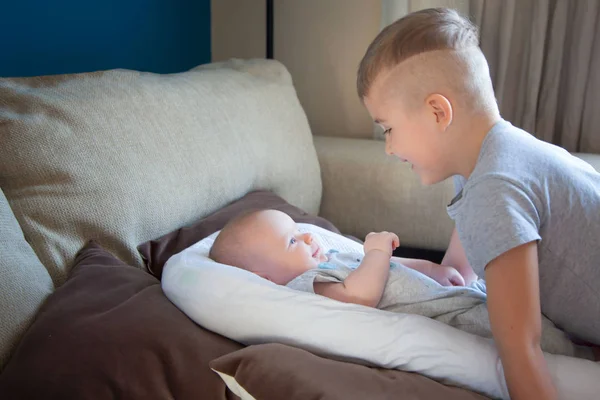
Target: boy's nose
point(388, 148)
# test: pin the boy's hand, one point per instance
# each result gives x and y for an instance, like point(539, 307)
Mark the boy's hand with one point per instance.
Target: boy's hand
point(446, 276)
point(384, 241)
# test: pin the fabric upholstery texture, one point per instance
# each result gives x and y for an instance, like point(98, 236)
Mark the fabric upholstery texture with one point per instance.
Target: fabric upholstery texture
point(24, 282)
point(109, 332)
point(122, 157)
point(592, 159)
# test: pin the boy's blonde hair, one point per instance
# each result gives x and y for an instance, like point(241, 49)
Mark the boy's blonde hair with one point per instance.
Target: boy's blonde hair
point(449, 40)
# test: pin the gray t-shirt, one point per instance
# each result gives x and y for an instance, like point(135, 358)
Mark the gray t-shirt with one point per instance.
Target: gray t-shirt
point(521, 190)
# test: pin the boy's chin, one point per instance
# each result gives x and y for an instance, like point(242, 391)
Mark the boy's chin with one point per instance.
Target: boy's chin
point(430, 179)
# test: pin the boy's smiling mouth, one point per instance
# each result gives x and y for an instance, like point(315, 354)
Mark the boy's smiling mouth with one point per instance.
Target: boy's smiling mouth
point(404, 160)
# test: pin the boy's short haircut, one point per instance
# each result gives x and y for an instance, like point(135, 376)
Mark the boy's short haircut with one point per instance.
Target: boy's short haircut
point(422, 32)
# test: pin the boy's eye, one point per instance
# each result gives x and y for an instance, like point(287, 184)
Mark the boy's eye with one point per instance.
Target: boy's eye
point(292, 240)
point(387, 131)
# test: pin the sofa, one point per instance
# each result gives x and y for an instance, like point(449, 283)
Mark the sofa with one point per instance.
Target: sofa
point(105, 175)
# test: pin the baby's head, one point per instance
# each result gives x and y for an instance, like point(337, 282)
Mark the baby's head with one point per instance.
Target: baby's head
point(422, 75)
point(269, 244)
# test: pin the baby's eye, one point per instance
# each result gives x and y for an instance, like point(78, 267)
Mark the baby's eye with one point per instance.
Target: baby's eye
point(292, 240)
point(387, 131)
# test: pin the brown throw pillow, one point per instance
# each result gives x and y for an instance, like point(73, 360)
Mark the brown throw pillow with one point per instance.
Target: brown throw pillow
point(276, 371)
point(155, 253)
point(109, 332)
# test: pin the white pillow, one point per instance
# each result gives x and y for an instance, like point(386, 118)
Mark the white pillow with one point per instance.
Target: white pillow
point(251, 310)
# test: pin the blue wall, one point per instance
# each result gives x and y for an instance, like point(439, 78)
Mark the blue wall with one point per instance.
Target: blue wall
point(43, 37)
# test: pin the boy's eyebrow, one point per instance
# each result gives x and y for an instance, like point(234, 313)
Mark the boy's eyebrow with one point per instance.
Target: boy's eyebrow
point(378, 121)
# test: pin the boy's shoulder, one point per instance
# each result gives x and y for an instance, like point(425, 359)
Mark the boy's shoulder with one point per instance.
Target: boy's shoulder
point(521, 190)
point(517, 171)
point(518, 158)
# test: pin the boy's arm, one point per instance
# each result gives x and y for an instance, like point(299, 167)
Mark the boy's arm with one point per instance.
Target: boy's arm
point(514, 308)
point(443, 274)
point(423, 266)
point(455, 257)
point(364, 285)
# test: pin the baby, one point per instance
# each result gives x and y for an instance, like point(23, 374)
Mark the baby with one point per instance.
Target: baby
point(269, 244)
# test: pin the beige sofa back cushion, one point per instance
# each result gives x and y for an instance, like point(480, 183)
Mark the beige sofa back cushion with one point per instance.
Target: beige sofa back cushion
point(122, 157)
point(24, 282)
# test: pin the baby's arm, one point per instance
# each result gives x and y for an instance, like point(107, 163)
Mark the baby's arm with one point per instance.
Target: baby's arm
point(366, 283)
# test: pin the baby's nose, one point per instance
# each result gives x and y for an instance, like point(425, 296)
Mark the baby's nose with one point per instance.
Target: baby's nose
point(308, 238)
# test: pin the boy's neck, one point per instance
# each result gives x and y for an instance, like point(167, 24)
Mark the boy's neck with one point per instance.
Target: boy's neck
point(470, 134)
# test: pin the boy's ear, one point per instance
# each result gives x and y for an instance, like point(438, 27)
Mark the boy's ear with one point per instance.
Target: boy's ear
point(441, 108)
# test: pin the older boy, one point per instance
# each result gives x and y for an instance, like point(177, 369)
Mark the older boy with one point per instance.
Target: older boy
point(527, 213)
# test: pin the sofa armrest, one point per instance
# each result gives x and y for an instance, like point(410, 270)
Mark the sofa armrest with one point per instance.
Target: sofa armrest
point(365, 190)
point(592, 159)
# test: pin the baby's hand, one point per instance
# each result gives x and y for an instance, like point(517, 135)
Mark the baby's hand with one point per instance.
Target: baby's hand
point(447, 276)
point(384, 241)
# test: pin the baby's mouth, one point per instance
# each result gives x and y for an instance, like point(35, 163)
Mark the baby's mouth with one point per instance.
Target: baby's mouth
point(316, 252)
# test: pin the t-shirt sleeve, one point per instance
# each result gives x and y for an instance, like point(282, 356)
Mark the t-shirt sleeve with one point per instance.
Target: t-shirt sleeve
point(496, 216)
point(305, 282)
